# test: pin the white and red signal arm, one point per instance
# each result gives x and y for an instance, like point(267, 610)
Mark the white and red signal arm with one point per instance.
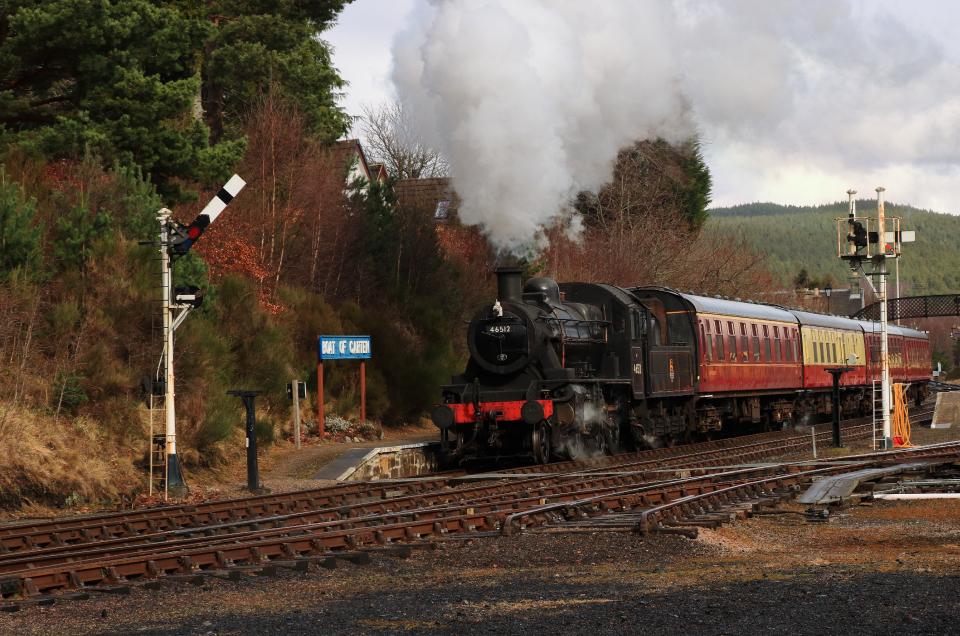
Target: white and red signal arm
point(191, 234)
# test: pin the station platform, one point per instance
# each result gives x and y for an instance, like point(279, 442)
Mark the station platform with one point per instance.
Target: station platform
point(383, 462)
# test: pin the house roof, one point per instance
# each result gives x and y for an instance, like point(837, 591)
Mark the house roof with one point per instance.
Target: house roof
point(345, 149)
point(379, 171)
point(426, 192)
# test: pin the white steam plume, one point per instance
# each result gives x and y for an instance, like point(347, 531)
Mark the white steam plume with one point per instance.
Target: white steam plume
point(530, 100)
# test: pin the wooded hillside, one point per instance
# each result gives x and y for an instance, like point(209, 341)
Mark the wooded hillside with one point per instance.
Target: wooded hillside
point(806, 237)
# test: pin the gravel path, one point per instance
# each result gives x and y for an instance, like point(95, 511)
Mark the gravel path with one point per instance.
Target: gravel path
point(890, 567)
point(283, 468)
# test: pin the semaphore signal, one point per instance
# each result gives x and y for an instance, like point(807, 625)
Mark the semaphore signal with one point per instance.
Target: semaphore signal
point(175, 241)
point(183, 238)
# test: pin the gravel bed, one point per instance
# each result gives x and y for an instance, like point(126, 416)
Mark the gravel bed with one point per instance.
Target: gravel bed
point(890, 567)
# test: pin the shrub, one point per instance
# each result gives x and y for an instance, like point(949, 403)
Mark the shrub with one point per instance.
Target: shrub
point(266, 432)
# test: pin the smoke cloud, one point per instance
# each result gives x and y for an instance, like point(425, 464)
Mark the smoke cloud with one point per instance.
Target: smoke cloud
point(530, 100)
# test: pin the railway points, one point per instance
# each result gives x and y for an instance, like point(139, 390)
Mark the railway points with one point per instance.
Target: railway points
point(681, 490)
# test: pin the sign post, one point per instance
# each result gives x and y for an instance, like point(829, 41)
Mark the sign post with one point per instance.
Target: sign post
point(342, 348)
point(836, 372)
point(297, 390)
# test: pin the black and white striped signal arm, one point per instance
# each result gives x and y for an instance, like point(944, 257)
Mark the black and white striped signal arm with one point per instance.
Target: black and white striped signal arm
point(191, 234)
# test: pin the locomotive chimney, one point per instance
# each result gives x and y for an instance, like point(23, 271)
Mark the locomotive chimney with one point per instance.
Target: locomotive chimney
point(508, 284)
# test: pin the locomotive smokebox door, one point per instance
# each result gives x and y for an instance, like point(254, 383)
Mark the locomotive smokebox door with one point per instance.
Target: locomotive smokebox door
point(636, 370)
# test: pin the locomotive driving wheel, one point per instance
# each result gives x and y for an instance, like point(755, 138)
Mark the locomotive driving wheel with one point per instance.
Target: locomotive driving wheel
point(582, 447)
point(540, 438)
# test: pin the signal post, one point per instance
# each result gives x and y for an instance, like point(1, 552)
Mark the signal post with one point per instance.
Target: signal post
point(874, 243)
point(175, 241)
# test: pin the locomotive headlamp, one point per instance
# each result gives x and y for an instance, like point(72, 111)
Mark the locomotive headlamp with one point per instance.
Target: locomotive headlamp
point(443, 416)
point(531, 412)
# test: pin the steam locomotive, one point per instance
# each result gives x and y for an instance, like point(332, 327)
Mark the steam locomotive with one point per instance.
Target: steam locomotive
point(579, 370)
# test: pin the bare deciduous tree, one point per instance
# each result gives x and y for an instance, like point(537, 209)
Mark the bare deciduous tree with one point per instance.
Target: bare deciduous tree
point(391, 137)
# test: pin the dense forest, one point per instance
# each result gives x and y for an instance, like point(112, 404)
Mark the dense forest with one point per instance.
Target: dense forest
point(112, 110)
point(805, 238)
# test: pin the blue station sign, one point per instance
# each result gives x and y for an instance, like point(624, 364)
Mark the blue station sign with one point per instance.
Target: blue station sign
point(344, 347)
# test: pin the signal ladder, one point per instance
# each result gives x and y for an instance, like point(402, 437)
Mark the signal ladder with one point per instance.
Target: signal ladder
point(156, 393)
point(877, 401)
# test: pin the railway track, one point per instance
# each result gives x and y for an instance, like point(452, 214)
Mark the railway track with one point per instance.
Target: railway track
point(335, 502)
point(665, 490)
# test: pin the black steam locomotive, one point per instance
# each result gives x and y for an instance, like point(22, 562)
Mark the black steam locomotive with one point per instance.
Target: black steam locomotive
point(579, 369)
point(559, 370)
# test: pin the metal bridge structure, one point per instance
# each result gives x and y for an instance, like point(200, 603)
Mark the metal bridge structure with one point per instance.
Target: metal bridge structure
point(914, 307)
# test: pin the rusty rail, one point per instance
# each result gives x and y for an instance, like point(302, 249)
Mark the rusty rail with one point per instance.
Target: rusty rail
point(67, 561)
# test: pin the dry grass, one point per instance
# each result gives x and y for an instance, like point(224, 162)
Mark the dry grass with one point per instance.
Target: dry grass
point(57, 463)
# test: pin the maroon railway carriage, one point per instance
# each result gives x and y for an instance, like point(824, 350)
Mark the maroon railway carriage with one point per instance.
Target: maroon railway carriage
point(909, 353)
point(764, 364)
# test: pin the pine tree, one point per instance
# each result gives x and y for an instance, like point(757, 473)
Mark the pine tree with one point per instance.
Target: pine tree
point(118, 78)
point(697, 191)
point(78, 229)
point(254, 45)
point(20, 237)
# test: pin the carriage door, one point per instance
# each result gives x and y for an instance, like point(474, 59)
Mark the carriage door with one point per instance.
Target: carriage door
point(636, 353)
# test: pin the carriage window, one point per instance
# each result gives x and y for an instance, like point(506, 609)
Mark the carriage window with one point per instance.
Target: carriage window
point(766, 332)
point(733, 348)
point(815, 358)
point(834, 352)
point(756, 348)
point(721, 356)
point(822, 359)
point(730, 328)
point(766, 349)
point(745, 347)
point(743, 328)
point(703, 344)
point(754, 327)
point(716, 323)
point(776, 350)
point(776, 332)
point(709, 347)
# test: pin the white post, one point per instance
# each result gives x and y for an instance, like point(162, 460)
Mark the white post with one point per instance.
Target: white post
point(173, 478)
point(881, 269)
point(296, 412)
point(897, 263)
